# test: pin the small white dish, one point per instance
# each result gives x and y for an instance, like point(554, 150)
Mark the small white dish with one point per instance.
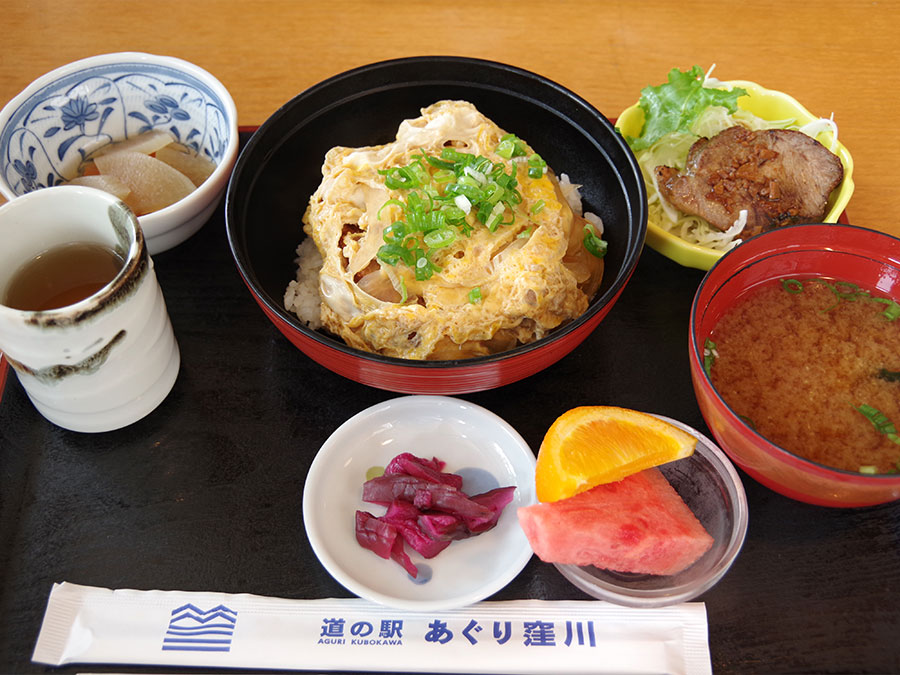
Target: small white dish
point(473, 442)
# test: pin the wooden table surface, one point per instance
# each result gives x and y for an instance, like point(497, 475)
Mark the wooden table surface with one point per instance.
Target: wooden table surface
point(834, 56)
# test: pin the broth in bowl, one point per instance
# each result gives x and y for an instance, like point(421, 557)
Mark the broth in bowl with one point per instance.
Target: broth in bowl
point(813, 365)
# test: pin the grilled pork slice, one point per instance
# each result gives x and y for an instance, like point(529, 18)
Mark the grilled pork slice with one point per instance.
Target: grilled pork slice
point(779, 176)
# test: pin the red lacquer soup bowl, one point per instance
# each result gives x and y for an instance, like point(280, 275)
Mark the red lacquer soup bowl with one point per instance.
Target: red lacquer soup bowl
point(281, 167)
point(865, 257)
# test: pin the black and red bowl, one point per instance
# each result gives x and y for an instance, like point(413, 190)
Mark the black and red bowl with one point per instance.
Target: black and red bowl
point(280, 168)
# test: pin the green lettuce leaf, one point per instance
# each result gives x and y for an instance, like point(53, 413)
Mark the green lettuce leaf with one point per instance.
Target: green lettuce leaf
point(675, 105)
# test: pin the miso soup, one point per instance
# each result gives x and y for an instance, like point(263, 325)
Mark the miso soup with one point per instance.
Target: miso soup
point(814, 366)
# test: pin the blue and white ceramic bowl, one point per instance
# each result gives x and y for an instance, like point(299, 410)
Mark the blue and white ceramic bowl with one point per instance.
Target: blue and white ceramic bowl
point(65, 116)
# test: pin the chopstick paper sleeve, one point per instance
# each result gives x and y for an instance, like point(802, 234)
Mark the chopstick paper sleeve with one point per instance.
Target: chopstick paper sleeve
point(85, 624)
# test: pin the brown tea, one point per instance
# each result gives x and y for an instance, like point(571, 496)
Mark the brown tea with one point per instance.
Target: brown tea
point(62, 276)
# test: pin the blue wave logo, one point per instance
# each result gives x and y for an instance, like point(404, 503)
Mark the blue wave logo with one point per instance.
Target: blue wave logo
point(193, 630)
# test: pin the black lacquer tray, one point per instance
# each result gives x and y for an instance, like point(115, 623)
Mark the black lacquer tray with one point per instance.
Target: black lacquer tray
point(206, 492)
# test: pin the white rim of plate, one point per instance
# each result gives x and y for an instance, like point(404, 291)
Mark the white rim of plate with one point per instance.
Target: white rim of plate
point(514, 453)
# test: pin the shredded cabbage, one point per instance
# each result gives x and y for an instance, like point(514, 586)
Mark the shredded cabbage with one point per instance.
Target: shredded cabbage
point(816, 127)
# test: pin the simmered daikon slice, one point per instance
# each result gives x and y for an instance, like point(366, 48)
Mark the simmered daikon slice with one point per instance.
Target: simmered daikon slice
point(109, 184)
point(195, 167)
point(153, 183)
point(146, 143)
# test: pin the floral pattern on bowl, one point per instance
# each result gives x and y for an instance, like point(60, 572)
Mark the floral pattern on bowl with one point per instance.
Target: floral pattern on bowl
point(57, 128)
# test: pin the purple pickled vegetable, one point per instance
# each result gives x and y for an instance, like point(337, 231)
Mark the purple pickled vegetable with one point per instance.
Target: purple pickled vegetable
point(399, 556)
point(495, 500)
point(404, 517)
point(417, 539)
point(398, 461)
point(442, 526)
point(375, 534)
point(400, 509)
point(429, 470)
point(425, 495)
point(446, 499)
point(385, 489)
point(426, 509)
point(423, 499)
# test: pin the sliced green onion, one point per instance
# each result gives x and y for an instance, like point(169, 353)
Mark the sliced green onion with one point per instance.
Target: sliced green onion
point(849, 291)
point(424, 267)
point(880, 421)
point(889, 375)
point(436, 220)
point(536, 166)
point(453, 155)
point(495, 217)
point(494, 192)
point(475, 295)
point(524, 234)
point(439, 163)
point(853, 291)
point(511, 146)
point(420, 172)
point(440, 237)
point(892, 313)
point(483, 211)
point(868, 469)
point(447, 195)
point(394, 233)
point(400, 178)
point(792, 285)
point(471, 192)
point(453, 213)
point(512, 197)
point(474, 174)
point(390, 202)
point(709, 356)
point(484, 165)
point(470, 181)
point(443, 176)
point(394, 253)
point(594, 244)
point(504, 179)
point(403, 293)
point(748, 422)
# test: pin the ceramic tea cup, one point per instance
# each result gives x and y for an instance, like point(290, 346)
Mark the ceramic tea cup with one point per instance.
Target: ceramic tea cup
point(101, 361)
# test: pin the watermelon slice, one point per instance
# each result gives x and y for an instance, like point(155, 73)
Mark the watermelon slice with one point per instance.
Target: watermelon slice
point(638, 524)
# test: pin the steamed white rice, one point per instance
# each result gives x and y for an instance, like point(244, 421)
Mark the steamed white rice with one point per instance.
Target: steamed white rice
point(302, 295)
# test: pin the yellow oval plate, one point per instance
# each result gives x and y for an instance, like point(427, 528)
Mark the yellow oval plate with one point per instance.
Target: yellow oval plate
point(768, 104)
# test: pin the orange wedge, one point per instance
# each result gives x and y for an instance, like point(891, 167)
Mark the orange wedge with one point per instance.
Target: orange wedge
point(592, 445)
